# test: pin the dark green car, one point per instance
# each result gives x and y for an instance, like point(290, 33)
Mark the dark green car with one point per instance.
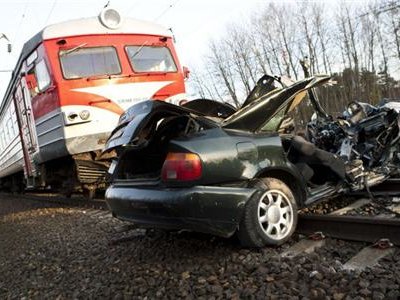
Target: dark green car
point(210, 168)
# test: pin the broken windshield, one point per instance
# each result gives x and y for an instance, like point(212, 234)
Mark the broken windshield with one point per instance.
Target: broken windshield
point(87, 62)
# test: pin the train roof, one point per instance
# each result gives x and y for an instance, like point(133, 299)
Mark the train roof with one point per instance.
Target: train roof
point(92, 26)
point(79, 27)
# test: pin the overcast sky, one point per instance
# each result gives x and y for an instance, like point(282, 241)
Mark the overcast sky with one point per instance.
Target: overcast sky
point(193, 22)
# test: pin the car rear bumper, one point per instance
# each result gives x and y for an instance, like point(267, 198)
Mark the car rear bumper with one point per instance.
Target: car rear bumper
point(208, 209)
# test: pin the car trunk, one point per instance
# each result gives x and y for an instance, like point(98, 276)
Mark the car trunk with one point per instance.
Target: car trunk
point(143, 136)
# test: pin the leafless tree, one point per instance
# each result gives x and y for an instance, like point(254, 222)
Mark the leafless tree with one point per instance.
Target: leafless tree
point(324, 35)
point(359, 44)
point(240, 47)
point(220, 60)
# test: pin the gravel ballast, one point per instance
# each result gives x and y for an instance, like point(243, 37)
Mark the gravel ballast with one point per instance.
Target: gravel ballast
point(49, 251)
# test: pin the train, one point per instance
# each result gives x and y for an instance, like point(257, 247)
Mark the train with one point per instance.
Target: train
point(70, 85)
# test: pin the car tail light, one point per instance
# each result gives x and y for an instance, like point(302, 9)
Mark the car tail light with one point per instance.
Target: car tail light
point(181, 167)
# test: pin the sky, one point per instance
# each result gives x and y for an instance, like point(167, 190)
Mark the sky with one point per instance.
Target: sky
point(194, 22)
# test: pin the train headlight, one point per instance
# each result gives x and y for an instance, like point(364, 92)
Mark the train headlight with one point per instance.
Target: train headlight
point(110, 18)
point(84, 114)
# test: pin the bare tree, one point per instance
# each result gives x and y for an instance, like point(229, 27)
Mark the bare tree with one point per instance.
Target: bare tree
point(395, 28)
point(369, 40)
point(286, 30)
point(382, 43)
point(220, 60)
point(323, 35)
point(239, 45)
point(344, 39)
point(362, 40)
point(312, 55)
point(269, 41)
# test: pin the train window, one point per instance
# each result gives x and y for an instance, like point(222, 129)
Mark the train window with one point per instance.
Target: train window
point(86, 62)
point(31, 58)
point(32, 83)
point(2, 143)
point(13, 114)
point(151, 59)
point(7, 130)
point(11, 128)
point(42, 75)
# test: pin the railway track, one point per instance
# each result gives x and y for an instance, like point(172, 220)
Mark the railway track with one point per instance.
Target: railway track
point(330, 227)
point(368, 220)
point(390, 187)
point(343, 223)
point(76, 201)
point(365, 229)
point(49, 250)
point(375, 220)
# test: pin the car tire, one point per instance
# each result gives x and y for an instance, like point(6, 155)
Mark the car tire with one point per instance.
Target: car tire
point(270, 217)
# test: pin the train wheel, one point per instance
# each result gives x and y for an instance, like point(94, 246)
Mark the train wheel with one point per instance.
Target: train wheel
point(68, 194)
point(89, 193)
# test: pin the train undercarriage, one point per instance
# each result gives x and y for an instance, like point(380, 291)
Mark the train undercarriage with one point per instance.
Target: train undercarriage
point(84, 173)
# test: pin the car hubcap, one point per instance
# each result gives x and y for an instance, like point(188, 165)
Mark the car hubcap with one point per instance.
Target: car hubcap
point(275, 214)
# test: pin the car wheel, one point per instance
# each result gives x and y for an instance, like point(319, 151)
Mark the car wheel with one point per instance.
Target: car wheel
point(270, 217)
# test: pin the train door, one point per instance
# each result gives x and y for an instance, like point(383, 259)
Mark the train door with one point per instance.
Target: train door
point(27, 128)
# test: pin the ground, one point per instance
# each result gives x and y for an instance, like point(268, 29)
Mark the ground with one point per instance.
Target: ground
point(49, 251)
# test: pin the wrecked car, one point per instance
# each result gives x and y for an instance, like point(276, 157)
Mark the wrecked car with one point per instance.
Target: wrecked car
point(211, 168)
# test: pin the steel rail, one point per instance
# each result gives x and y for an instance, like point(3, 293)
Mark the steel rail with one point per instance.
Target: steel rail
point(390, 187)
point(59, 199)
point(355, 228)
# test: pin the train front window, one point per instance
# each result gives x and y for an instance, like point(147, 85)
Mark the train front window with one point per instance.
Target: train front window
point(151, 59)
point(87, 62)
point(42, 75)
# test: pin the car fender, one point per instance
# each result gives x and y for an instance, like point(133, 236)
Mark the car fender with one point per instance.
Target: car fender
point(289, 175)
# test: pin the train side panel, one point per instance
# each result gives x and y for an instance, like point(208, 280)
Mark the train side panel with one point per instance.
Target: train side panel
point(11, 157)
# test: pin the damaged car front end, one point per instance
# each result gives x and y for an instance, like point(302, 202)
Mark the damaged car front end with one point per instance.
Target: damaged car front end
point(366, 137)
point(210, 168)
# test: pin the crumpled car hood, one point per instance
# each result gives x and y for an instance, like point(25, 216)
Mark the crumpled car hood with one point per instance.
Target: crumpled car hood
point(253, 116)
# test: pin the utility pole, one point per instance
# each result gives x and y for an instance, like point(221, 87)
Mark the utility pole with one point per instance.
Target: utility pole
point(3, 36)
point(9, 48)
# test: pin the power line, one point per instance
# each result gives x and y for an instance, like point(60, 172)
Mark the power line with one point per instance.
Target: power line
point(51, 11)
point(381, 9)
point(166, 10)
point(21, 20)
point(130, 9)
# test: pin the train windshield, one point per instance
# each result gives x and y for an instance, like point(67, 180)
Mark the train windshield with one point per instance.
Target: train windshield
point(86, 62)
point(151, 59)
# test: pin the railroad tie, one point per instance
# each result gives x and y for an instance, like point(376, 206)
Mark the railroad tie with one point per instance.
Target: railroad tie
point(355, 205)
point(303, 246)
point(369, 256)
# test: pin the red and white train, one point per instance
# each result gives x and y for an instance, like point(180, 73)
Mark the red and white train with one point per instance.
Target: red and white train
point(70, 85)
